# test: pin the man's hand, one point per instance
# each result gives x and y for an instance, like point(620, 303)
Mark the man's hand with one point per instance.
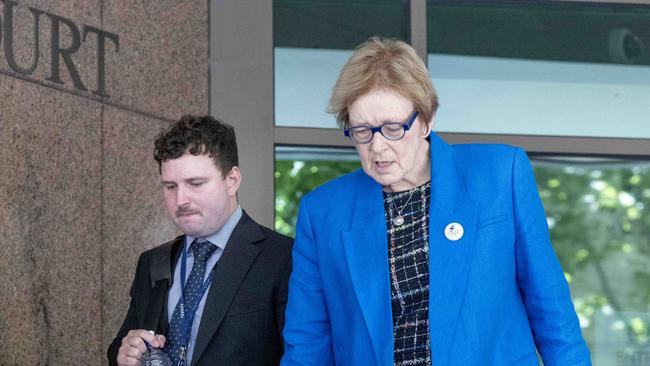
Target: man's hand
point(133, 346)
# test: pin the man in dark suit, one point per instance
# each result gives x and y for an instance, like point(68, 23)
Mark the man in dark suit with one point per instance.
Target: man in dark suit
point(215, 295)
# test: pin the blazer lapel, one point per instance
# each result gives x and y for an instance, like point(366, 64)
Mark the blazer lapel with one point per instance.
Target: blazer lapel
point(449, 261)
point(367, 254)
point(161, 276)
point(231, 269)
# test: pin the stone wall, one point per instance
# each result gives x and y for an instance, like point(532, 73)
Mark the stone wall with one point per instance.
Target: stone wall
point(79, 192)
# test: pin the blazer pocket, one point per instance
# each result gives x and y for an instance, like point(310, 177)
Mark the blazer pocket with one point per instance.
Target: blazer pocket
point(246, 308)
point(529, 359)
point(492, 222)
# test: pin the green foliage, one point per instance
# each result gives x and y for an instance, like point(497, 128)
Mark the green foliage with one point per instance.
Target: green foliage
point(601, 233)
point(294, 179)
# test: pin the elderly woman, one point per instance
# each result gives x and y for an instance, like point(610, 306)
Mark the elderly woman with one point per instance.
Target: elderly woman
point(431, 254)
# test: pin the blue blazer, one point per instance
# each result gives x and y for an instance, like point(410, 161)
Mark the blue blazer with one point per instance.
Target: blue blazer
point(495, 296)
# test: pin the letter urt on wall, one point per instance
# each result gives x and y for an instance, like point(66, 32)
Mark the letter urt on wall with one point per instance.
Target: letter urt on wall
point(57, 52)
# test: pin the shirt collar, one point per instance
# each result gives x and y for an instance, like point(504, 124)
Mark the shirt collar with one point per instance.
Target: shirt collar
point(220, 238)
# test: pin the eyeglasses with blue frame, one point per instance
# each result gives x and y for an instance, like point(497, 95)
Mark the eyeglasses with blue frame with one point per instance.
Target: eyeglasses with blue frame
point(390, 130)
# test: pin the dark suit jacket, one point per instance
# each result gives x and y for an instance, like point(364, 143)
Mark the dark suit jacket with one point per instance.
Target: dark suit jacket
point(244, 312)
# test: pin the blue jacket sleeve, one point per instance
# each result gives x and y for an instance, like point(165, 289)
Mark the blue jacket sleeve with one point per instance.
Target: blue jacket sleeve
point(540, 278)
point(307, 332)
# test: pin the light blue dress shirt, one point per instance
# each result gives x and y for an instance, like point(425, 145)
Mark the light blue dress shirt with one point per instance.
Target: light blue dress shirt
point(220, 239)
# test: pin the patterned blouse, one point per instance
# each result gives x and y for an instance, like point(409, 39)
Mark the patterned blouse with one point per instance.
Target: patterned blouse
point(408, 255)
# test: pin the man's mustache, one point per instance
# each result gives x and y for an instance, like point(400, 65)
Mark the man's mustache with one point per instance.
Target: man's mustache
point(185, 211)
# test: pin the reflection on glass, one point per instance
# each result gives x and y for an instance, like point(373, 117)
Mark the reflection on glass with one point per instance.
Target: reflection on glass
point(600, 229)
point(300, 170)
point(597, 214)
point(313, 39)
point(541, 67)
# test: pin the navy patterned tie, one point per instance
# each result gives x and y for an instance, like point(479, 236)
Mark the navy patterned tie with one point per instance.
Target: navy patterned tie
point(202, 251)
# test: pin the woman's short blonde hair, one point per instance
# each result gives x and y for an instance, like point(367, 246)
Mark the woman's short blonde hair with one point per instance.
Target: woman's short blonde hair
point(383, 64)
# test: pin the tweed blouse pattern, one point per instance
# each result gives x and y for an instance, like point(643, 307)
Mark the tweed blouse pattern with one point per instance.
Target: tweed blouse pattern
point(408, 255)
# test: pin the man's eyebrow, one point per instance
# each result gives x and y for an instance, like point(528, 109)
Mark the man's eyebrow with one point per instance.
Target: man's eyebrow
point(190, 179)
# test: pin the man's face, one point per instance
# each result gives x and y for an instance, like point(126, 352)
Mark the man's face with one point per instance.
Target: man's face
point(198, 198)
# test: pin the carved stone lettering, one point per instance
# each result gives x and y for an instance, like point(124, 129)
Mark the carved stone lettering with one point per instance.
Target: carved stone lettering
point(9, 39)
point(101, 55)
point(57, 52)
point(65, 53)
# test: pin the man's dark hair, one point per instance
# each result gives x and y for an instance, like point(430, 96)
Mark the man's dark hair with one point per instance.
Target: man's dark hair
point(198, 136)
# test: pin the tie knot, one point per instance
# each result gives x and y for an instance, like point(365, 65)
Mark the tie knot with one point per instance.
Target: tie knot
point(202, 250)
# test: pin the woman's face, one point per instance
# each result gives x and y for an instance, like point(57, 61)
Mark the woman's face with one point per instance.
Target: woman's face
point(397, 165)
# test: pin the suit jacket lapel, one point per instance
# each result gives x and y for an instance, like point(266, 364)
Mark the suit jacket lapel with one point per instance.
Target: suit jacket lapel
point(449, 261)
point(367, 254)
point(161, 276)
point(239, 255)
